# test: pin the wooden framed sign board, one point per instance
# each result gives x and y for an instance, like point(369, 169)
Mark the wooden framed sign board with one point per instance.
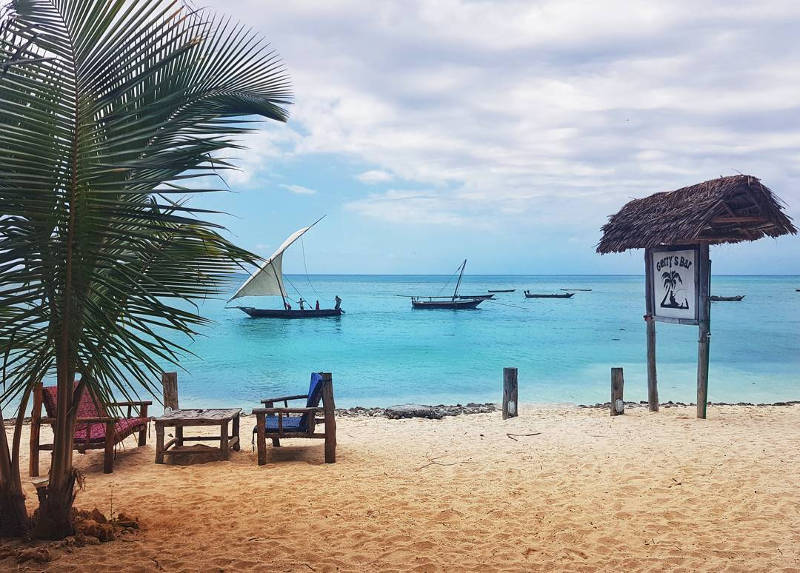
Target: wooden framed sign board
point(673, 284)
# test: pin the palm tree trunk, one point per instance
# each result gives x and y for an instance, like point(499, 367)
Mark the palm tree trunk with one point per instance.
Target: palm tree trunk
point(14, 521)
point(55, 509)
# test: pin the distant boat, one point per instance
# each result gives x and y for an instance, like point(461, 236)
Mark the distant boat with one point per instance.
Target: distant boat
point(454, 302)
point(578, 289)
point(715, 298)
point(268, 281)
point(513, 289)
point(529, 294)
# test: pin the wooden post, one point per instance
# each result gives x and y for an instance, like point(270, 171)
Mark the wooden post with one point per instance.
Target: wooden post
point(36, 425)
point(617, 384)
point(261, 440)
point(143, 431)
point(223, 440)
point(237, 446)
point(510, 393)
point(169, 380)
point(159, 443)
point(652, 379)
point(329, 411)
point(108, 455)
point(704, 323)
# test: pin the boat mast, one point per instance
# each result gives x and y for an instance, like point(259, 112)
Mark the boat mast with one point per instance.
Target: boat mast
point(280, 283)
point(455, 292)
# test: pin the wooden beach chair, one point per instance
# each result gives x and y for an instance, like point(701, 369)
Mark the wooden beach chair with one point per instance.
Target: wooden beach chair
point(276, 423)
point(94, 428)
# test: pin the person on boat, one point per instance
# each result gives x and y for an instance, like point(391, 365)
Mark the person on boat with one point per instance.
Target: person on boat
point(338, 302)
point(287, 306)
point(316, 307)
point(302, 303)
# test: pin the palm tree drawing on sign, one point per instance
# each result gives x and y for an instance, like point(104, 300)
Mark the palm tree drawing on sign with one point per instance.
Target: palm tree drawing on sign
point(671, 281)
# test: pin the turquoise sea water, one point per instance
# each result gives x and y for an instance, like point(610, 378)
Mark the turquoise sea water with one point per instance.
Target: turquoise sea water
point(381, 352)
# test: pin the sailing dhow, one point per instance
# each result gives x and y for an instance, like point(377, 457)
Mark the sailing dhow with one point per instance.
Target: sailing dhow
point(268, 281)
point(454, 302)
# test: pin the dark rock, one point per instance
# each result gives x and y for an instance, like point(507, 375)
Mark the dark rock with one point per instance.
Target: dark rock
point(412, 411)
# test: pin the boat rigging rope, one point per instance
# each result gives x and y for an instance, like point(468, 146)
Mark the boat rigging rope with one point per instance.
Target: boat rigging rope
point(308, 280)
point(448, 281)
point(295, 288)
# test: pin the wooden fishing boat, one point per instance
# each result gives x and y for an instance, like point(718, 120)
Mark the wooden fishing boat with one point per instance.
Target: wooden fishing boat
point(268, 281)
point(294, 313)
point(454, 302)
point(511, 290)
point(529, 294)
point(577, 289)
point(715, 298)
point(433, 303)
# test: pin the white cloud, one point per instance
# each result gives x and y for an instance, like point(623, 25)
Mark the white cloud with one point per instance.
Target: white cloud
point(299, 189)
point(374, 176)
point(533, 110)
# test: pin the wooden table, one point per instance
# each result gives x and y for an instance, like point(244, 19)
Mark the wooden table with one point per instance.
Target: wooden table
point(180, 419)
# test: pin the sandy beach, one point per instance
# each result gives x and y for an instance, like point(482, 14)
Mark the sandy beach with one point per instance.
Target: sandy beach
point(583, 492)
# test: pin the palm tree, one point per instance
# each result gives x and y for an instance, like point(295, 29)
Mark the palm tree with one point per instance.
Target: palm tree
point(107, 109)
point(671, 280)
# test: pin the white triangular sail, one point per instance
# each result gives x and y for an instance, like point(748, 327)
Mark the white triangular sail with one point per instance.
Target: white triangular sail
point(268, 280)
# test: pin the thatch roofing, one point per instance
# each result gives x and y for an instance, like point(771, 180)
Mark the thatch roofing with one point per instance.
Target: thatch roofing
point(724, 210)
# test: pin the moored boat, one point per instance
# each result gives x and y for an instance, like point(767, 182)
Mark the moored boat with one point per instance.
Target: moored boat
point(510, 290)
point(529, 294)
point(433, 303)
point(576, 289)
point(715, 298)
point(454, 302)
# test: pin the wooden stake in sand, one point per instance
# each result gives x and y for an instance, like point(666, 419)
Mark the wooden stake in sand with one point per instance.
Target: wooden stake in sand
point(617, 384)
point(510, 393)
point(169, 380)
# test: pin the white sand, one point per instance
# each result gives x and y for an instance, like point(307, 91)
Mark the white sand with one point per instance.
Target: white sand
point(636, 492)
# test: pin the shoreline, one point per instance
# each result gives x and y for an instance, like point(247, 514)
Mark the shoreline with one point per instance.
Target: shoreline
point(440, 411)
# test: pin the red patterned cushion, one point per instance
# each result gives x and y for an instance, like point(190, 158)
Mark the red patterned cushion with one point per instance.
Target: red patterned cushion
point(86, 407)
point(122, 429)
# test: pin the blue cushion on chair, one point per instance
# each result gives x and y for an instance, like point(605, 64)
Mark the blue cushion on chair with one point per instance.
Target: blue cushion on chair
point(290, 423)
point(314, 390)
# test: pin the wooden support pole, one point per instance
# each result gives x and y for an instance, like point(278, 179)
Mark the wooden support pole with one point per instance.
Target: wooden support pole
point(261, 440)
point(169, 380)
point(652, 378)
point(617, 384)
point(329, 411)
point(36, 425)
point(510, 393)
point(108, 455)
point(704, 319)
point(159, 443)
point(224, 445)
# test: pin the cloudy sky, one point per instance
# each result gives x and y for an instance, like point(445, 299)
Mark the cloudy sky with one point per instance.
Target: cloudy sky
point(506, 132)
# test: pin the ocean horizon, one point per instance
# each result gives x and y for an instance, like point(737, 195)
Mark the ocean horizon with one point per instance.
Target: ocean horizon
point(381, 352)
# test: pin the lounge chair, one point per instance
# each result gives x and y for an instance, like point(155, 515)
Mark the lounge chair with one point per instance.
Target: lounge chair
point(94, 428)
point(286, 422)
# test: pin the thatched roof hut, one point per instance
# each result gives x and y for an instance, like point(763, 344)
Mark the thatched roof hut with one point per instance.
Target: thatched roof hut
point(724, 210)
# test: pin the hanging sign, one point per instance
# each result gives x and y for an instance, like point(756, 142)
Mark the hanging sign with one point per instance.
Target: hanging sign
point(674, 284)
